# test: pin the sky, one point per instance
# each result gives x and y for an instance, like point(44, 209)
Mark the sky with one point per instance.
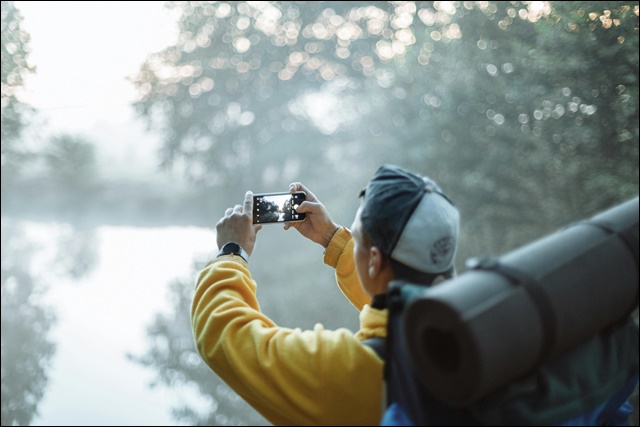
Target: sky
point(83, 53)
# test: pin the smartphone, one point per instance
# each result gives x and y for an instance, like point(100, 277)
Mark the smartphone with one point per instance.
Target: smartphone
point(277, 207)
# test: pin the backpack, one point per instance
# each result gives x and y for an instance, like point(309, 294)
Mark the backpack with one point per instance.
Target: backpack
point(541, 336)
point(566, 390)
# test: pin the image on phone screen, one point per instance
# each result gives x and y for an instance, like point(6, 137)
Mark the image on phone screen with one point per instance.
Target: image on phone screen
point(277, 207)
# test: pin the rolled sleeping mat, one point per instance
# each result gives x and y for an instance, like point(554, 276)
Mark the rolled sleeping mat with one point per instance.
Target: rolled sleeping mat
point(500, 321)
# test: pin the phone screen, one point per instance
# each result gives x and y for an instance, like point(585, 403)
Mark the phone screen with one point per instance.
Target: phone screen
point(277, 207)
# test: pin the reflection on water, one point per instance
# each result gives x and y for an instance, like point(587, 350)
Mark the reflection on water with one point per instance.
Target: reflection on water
point(26, 321)
point(105, 287)
point(124, 350)
point(173, 356)
point(78, 255)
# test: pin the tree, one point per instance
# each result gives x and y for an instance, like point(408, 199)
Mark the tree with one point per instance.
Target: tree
point(228, 95)
point(511, 106)
point(520, 116)
point(15, 114)
point(71, 166)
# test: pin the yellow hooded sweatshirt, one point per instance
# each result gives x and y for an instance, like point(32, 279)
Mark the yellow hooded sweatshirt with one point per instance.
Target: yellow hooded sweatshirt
point(290, 376)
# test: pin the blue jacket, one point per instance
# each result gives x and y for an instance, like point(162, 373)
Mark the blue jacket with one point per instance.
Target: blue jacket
point(609, 413)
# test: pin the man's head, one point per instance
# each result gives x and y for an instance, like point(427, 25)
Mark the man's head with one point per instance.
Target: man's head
point(405, 228)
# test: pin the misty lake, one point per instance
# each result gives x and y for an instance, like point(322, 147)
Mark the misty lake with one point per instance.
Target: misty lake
point(102, 316)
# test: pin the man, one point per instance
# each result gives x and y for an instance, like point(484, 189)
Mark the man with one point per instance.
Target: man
point(405, 229)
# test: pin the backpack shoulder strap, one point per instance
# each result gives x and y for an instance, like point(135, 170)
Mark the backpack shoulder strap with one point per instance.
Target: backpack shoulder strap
point(379, 345)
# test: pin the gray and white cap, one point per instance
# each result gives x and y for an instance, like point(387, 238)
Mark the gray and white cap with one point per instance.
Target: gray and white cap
point(410, 219)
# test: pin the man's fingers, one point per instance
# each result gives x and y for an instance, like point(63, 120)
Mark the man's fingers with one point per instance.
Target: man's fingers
point(297, 186)
point(312, 207)
point(237, 209)
point(248, 203)
point(228, 212)
point(288, 225)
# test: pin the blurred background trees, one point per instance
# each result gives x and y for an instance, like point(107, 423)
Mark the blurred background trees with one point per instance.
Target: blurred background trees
point(15, 50)
point(525, 112)
point(15, 114)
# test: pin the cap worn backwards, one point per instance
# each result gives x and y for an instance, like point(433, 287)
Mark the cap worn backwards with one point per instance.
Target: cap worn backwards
point(409, 218)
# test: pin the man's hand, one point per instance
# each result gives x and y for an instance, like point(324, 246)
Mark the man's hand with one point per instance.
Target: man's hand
point(318, 225)
point(237, 225)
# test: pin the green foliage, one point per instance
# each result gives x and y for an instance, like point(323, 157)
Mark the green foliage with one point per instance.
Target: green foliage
point(223, 95)
point(526, 116)
point(14, 113)
point(519, 132)
point(15, 50)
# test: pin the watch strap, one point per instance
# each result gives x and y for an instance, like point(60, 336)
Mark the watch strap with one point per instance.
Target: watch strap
point(229, 249)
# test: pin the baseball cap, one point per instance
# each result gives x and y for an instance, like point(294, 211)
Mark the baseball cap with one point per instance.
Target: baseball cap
point(409, 218)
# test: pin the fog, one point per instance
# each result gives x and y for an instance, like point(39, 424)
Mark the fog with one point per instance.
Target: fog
point(129, 127)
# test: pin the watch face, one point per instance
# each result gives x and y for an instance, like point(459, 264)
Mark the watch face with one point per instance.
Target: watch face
point(231, 248)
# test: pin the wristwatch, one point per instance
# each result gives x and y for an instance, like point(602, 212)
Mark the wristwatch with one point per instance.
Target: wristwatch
point(235, 249)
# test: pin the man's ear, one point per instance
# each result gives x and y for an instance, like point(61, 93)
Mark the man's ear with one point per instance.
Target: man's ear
point(376, 262)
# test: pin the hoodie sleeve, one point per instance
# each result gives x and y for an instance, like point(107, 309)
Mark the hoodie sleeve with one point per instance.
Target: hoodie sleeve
point(339, 255)
point(290, 376)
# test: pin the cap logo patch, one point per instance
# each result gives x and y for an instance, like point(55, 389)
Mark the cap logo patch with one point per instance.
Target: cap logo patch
point(441, 250)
